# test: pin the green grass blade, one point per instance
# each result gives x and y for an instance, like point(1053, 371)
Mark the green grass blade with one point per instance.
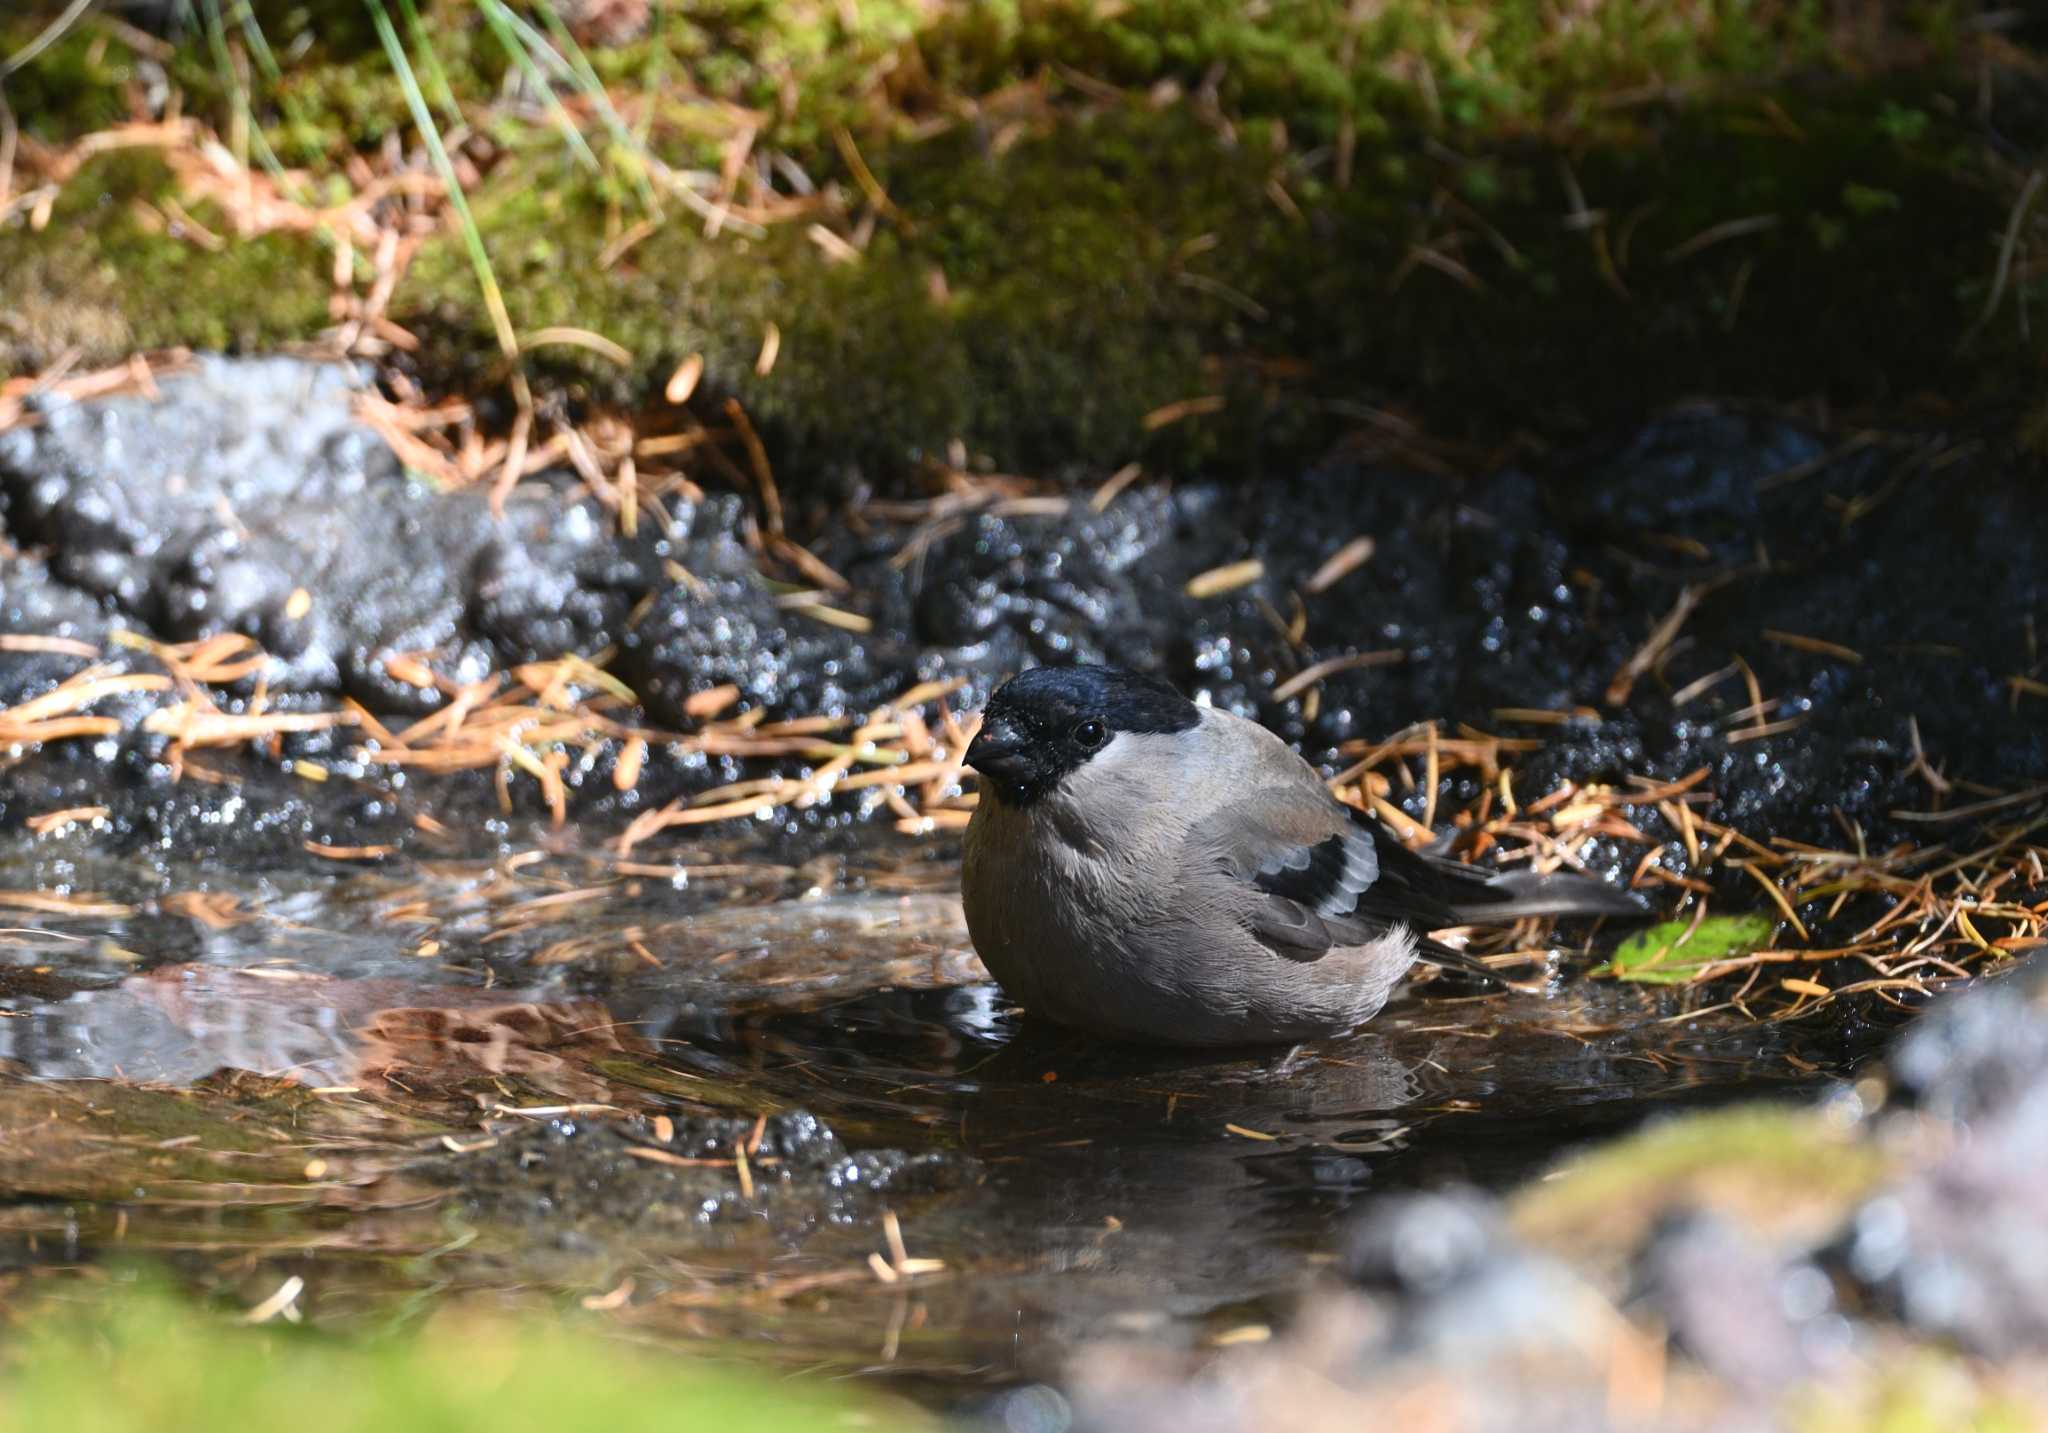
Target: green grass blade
point(258, 43)
point(51, 34)
point(578, 71)
point(238, 93)
point(472, 237)
point(430, 61)
point(250, 128)
point(653, 74)
point(499, 19)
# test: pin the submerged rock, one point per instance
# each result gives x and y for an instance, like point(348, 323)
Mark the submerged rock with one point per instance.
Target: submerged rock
point(572, 1175)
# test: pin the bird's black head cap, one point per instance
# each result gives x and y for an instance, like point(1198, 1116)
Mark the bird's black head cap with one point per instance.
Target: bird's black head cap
point(1047, 722)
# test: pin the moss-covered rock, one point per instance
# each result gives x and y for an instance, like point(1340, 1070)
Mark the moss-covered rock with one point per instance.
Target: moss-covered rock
point(1039, 301)
point(1433, 208)
point(1028, 307)
point(1787, 1172)
point(107, 275)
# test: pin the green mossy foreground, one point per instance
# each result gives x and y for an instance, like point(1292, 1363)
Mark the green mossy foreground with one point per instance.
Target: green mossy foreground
point(139, 1361)
point(1464, 212)
point(1769, 1168)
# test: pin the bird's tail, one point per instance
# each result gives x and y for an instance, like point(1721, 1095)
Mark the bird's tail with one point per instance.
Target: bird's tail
point(1512, 895)
point(1509, 896)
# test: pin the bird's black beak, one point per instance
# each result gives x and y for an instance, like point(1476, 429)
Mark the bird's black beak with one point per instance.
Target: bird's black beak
point(999, 751)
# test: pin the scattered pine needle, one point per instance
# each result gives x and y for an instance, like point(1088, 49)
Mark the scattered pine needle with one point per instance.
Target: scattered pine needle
point(683, 382)
point(1339, 565)
point(50, 821)
point(56, 646)
point(1814, 645)
point(1219, 580)
point(349, 853)
point(1308, 677)
point(1168, 414)
point(582, 338)
point(1119, 480)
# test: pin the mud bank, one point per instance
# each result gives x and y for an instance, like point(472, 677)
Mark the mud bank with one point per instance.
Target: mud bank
point(1783, 605)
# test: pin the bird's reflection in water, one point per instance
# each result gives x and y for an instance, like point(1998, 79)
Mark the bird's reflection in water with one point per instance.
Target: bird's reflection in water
point(1183, 1182)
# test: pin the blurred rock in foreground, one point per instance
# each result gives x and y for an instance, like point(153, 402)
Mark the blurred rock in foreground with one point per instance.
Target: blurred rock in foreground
point(1879, 1261)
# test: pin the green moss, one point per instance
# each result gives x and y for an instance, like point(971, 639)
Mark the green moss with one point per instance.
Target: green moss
point(74, 87)
point(1043, 293)
point(1469, 67)
point(1788, 1170)
point(129, 1361)
point(1030, 308)
point(101, 278)
point(1037, 303)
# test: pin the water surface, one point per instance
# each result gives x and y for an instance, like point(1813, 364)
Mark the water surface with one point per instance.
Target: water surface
point(533, 1074)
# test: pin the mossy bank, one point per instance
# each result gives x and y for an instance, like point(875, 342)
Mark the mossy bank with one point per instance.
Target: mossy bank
point(1081, 242)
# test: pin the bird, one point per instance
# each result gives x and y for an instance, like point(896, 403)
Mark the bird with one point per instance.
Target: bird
point(1160, 872)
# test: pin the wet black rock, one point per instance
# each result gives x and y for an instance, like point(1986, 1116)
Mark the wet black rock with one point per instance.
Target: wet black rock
point(1739, 1307)
point(1694, 474)
point(1870, 588)
point(250, 499)
point(1453, 1283)
point(1982, 1053)
point(1008, 592)
point(1423, 1243)
point(720, 625)
point(35, 603)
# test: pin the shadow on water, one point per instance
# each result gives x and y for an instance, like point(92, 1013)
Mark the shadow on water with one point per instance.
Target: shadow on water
point(707, 1106)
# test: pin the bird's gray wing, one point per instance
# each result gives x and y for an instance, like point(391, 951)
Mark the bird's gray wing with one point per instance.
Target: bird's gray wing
point(1319, 876)
point(1309, 874)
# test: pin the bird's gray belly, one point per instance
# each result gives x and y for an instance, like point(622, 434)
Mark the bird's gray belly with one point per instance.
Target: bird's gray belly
point(1062, 946)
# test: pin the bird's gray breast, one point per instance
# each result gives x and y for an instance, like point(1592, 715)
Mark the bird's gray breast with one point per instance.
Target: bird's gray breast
point(1062, 896)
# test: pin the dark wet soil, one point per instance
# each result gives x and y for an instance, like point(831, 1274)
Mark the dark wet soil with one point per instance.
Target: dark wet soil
point(1868, 581)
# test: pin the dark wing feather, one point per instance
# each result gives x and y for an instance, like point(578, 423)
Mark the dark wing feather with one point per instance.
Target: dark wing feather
point(1316, 869)
point(1349, 887)
point(1333, 876)
point(1307, 887)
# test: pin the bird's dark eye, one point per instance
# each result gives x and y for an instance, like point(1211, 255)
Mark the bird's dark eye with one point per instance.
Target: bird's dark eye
point(1090, 734)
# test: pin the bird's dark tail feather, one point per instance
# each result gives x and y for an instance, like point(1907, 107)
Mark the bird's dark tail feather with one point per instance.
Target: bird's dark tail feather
point(1515, 894)
point(1511, 895)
